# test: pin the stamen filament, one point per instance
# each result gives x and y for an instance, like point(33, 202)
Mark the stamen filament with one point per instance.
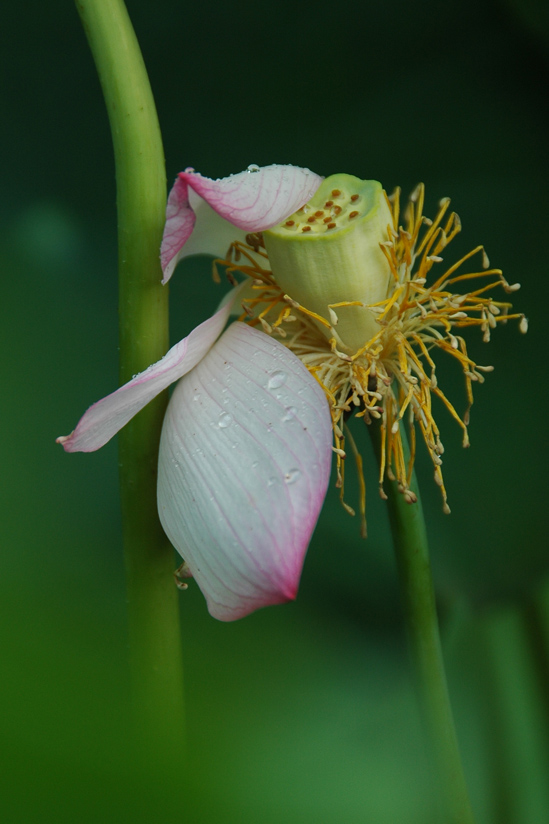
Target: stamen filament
point(392, 374)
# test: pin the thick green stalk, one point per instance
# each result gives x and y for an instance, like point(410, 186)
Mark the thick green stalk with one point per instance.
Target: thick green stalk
point(418, 597)
point(155, 646)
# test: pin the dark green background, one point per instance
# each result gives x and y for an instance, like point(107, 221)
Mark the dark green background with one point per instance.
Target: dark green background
point(302, 713)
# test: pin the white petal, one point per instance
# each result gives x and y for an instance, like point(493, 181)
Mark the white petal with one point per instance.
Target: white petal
point(244, 465)
point(252, 201)
point(106, 417)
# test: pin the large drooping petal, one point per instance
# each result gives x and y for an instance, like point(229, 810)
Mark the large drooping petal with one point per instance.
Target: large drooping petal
point(244, 465)
point(106, 417)
point(252, 201)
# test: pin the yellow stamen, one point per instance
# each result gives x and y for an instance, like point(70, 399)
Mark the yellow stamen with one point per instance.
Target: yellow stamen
point(361, 482)
point(393, 374)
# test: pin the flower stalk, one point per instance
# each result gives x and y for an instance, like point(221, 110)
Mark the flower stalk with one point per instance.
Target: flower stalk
point(155, 648)
point(420, 614)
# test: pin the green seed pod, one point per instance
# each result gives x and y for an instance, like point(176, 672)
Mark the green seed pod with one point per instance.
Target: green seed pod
point(327, 254)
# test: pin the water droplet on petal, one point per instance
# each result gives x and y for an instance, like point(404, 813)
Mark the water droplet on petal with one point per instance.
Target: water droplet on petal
point(292, 476)
point(253, 167)
point(255, 464)
point(189, 170)
point(271, 481)
point(196, 397)
point(291, 412)
point(276, 379)
point(224, 420)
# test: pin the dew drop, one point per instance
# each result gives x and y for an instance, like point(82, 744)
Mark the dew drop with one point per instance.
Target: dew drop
point(271, 482)
point(277, 379)
point(196, 397)
point(224, 420)
point(253, 167)
point(255, 464)
point(291, 412)
point(292, 476)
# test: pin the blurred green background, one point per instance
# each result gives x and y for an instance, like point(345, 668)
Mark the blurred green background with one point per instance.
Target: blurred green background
point(302, 713)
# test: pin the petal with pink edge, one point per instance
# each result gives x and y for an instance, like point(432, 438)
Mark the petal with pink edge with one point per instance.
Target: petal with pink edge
point(252, 201)
point(187, 212)
point(244, 465)
point(106, 417)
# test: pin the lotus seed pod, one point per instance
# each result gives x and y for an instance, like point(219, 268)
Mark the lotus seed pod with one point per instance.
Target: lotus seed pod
point(327, 255)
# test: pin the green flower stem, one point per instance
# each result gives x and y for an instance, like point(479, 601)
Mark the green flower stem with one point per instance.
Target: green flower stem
point(416, 584)
point(155, 647)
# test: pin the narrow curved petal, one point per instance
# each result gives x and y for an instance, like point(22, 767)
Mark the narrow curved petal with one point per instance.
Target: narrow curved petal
point(106, 417)
point(244, 465)
point(180, 222)
point(252, 201)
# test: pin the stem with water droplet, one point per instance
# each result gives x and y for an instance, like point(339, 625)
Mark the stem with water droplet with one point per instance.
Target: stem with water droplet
point(155, 647)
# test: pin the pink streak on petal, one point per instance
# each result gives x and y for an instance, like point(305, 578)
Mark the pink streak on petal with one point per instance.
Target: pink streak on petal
point(106, 417)
point(257, 200)
point(244, 465)
point(251, 201)
point(180, 220)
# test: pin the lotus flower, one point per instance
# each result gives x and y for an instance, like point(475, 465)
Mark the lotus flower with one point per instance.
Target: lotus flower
point(340, 315)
